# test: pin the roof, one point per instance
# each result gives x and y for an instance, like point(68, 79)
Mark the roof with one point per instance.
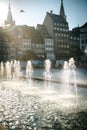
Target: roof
point(32, 33)
point(75, 32)
point(36, 37)
point(57, 18)
point(42, 29)
point(11, 33)
point(85, 25)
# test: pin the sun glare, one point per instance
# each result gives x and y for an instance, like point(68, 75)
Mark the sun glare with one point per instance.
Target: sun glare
point(3, 12)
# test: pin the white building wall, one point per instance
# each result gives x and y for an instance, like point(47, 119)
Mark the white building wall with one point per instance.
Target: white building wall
point(49, 48)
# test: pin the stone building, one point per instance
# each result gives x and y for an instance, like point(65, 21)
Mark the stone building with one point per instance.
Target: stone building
point(30, 40)
point(10, 37)
point(83, 43)
point(48, 41)
point(4, 47)
point(57, 27)
point(75, 43)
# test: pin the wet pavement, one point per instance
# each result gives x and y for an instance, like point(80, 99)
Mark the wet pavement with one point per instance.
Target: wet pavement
point(35, 105)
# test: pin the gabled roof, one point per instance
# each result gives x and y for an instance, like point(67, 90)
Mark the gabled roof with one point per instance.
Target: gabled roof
point(85, 25)
point(57, 18)
point(75, 32)
point(36, 37)
point(33, 34)
point(26, 31)
point(42, 29)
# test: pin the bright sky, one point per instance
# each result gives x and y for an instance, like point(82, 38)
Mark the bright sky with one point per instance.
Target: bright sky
point(35, 11)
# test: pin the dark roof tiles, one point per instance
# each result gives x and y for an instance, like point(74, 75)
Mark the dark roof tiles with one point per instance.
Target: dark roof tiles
point(57, 18)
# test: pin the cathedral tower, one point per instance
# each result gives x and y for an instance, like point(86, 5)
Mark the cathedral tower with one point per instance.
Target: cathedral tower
point(62, 12)
point(9, 17)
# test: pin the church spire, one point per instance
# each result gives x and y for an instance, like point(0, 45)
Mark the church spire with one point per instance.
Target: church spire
point(9, 17)
point(62, 12)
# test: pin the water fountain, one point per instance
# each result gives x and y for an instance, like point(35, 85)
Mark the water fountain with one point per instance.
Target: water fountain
point(8, 70)
point(12, 70)
point(72, 70)
point(29, 70)
point(25, 108)
point(2, 69)
point(47, 74)
point(70, 76)
point(18, 69)
point(66, 72)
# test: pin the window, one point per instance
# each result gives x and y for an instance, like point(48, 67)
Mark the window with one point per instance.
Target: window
point(85, 40)
point(59, 34)
point(54, 23)
point(57, 24)
point(55, 34)
point(67, 46)
point(82, 41)
point(54, 28)
point(61, 46)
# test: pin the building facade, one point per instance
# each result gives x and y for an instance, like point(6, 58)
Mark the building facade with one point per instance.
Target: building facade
point(75, 43)
point(48, 41)
point(30, 40)
point(57, 27)
point(9, 38)
point(83, 43)
point(4, 47)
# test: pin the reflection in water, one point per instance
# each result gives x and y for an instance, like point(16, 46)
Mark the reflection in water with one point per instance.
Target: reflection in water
point(23, 107)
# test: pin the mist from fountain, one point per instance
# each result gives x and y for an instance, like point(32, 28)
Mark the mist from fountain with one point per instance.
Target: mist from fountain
point(70, 76)
point(29, 70)
point(70, 71)
point(47, 74)
point(11, 70)
point(66, 72)
point(8, 70)
point(17, 69)
point(39, 107)
point(1, 69)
